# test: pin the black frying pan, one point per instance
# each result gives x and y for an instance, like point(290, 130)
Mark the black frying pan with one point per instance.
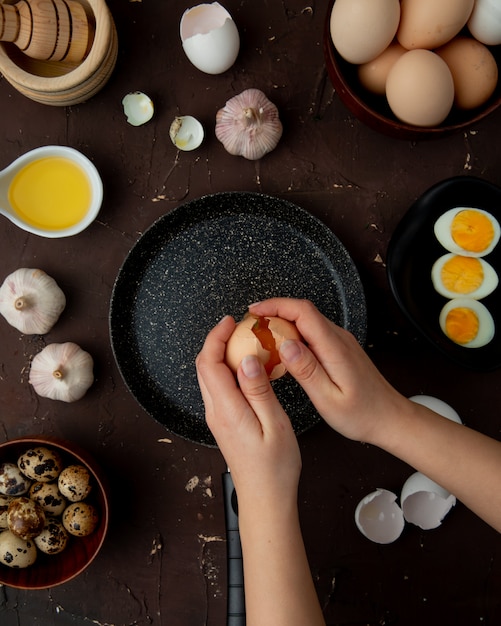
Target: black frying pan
point(207, 258)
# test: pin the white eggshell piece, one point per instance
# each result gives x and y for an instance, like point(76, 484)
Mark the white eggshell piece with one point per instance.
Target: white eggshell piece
point(186, 132)
point(138, 108)
point(210, 38)
point(379, 518)
point(424, 502)
point(439, 406)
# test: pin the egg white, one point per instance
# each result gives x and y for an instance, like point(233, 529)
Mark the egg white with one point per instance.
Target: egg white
point(489, 284)
point(486, 328)
point(442, 229)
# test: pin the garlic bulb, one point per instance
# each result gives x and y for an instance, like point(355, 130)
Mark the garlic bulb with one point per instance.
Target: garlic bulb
point(249, 125)
point(31, 301)
point(62, 371)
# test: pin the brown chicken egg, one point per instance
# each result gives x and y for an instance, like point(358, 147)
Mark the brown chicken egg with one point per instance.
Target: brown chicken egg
point(262, 337)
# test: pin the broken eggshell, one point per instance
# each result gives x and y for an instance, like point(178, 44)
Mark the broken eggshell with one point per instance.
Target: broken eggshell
point(138, 108)
point(210, 37)
point(424, 502)
point(379, 518)
point(186, 132)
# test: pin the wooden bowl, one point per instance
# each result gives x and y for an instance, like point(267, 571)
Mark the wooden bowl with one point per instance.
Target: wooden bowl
point(61, 83)
point(374, 110)
point(56, 569)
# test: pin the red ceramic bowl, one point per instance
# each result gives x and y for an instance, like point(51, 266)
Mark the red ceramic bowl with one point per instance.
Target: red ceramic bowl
point(51, 570)
point(374, 111)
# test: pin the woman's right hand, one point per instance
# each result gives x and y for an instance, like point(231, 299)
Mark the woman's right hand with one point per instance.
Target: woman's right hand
point(346, 388)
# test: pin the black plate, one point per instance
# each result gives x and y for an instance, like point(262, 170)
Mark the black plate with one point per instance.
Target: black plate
point(210, 257)
point(414, 248)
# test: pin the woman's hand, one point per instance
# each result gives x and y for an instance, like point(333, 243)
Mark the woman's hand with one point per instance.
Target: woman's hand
point(346, 388)
point(249, 425)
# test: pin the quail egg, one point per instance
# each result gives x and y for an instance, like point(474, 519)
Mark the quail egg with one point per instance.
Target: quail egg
point(48, 497)
point(455, 275)
point(4, 505)
point(41, 464)
point(467, 231)
point(12, 481)
point(53, 538)
point(467, 322)
point(74, 483)
point(25, 518)
point(16, 552)
point(80, 519)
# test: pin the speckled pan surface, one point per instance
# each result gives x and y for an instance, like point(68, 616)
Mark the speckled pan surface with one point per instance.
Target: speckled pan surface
point(208, 258)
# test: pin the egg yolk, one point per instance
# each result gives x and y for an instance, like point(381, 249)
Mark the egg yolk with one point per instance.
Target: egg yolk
point(462, 274)
point(472, 230)
point(267, 340)
point(461, 325)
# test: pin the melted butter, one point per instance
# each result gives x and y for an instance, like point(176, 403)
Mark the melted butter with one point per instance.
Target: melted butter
point(51, 193)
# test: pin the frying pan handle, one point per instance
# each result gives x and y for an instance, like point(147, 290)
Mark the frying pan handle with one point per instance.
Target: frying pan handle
point(236, 595)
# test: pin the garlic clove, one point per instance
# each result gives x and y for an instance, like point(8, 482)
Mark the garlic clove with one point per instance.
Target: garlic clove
point(249, 125)
point(138, 108)
point(62, 371)
point(31, 301)
point(186, 132)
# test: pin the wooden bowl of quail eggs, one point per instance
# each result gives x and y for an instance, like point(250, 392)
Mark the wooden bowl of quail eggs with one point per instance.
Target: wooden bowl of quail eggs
point(415, 69)
point(53, 512)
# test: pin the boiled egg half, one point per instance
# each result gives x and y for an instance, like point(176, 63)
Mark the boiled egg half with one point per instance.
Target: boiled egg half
point(467, 231)
point(456, 275)
point(467, 322)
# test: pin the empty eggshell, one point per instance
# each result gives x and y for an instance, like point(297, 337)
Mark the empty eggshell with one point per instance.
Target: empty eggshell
point(138, 108)
point(379, 518)
point(424, 502)
point(186, 132)
point(210, 38)
point(439, 406)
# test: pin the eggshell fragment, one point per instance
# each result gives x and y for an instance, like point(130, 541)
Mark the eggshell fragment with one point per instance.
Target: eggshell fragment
point(424, 502)
point(186, 132)
point(379, 518)
point(210, 38)
point(138, 108)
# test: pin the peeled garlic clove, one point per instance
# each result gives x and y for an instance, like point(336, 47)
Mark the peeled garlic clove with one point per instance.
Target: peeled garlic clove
point(62, 371)
point(138, 108)
point(31, 301)
point(186, 132)
point(249, 125)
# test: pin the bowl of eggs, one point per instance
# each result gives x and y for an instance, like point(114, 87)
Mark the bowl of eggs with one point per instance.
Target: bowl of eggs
point(444, 263)
point(53, 512)
point(415, 69)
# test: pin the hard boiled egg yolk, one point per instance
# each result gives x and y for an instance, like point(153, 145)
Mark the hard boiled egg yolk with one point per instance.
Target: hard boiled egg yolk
point(461, 325)
point(267, 340)
point(462, 274)
point(472, 230)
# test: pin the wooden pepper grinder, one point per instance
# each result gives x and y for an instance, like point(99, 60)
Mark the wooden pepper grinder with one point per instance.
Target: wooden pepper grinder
point(49, 30)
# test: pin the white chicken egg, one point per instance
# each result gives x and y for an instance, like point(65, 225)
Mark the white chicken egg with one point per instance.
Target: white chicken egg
point(455, 275)
point(485, 22)
point(210, 38)
point(467, 231)
point(437, 405)
point(467, 322)
point(379, 518)
point(424, 502)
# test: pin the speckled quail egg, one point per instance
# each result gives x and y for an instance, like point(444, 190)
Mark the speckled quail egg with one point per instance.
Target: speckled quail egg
point(467, 322)
point(467, 231)
point(80, 519)
point(456, 275)
point(25, 518)
point(48, 497)
point(12, 481)
point(4, 505)
point(16, 552)
point(53, 538)
point(75, 483)
point(42, 464)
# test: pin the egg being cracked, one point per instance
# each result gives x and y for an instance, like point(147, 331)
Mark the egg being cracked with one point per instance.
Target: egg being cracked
point(467, 231)
point(455, 275)
point(210, 38)
point(262, 337)
point(467, 322)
